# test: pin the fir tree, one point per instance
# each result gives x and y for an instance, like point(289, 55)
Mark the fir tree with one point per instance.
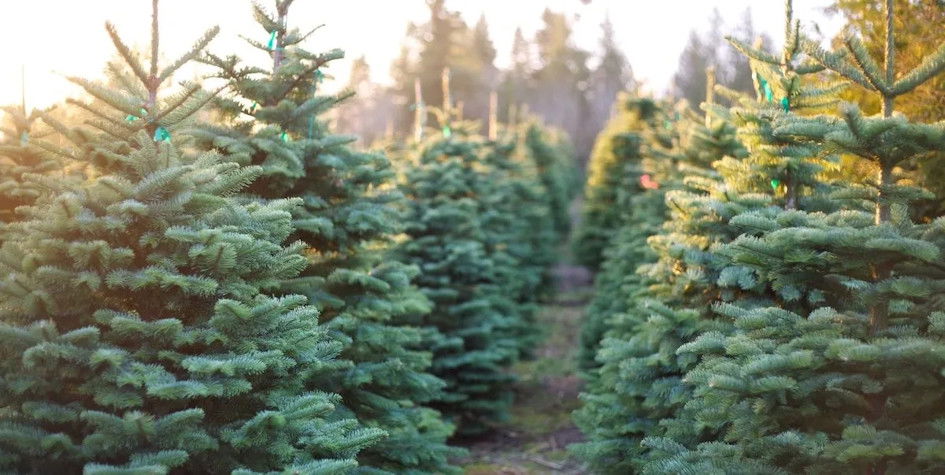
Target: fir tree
point(606, 178)
point(137, 333)
point(367, 299)
point(636, 213)
point(22, 166)
point(639, 378)
point(819, 378)
point(467, 245)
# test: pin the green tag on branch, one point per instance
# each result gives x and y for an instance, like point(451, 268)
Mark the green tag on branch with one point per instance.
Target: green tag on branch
point(24, 139)
point(162, 135)
point(252, 108)
point(785, 104)
point(769, 94)
point(447, 132)
point(132, 117)
point(775, 183)
point(667, 124)
point(272, 40)
point(284, 137)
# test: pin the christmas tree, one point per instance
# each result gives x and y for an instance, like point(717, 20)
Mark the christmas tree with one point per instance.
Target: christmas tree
point(639, 211)
point(446, 181)
point(23, 167)
point(638, 382)
point(819, 377)
point(273, 119)
point(137, 332)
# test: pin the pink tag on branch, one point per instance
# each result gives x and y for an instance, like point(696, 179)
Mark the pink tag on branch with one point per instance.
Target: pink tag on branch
point(647, 183)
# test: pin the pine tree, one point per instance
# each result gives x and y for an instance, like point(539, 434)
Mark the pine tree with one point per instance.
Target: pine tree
point(556, 169)
point(820, 377)
point(639, 375)
point(636, 214)
point(21, 166)
point(446, 180)
point(138, 334)
point(612, 151)
point(366, 298)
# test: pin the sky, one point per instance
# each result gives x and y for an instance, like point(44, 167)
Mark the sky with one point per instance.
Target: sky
point(72, 39)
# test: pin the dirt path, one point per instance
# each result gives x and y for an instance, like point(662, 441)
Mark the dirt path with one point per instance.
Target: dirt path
point(535, 439)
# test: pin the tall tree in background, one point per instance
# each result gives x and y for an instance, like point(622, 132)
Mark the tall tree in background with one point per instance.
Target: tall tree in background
point(611, 75)
point(516, 86)
point(709, 49)
point(701, 51)
point(561, 79)
point(446, 41)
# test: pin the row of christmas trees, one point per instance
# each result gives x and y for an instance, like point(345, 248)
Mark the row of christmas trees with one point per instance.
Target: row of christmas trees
point(770, 299)
point(214, 282)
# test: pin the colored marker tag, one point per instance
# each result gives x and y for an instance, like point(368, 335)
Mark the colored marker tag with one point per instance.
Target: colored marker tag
point(775, 184)
point(252, 108)
point(162, 135)
point(24, 139)
point(785, 104)
point(132, 117)
point(284, 137)
point(447, 132)
point(272, 40)
point(648, 183)
point(769, 94)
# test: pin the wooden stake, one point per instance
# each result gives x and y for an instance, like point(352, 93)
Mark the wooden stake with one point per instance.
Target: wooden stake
point(709, 90)
point(419, 111)
point(493, 115)
point(447, 100)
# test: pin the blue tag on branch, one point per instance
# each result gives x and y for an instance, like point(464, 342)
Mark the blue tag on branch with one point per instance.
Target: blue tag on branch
point(785, 104)
point(272, 40)
point(162, 135)
point(132, 117)
point(769, 94)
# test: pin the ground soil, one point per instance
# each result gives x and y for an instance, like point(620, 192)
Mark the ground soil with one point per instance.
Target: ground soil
point(535, 438)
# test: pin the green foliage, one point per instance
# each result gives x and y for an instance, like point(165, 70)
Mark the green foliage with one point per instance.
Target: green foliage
point(481, 230)
point(138, 332)
point(813, 322)
point(615, 147)
point(273, 119)
point(27, 171)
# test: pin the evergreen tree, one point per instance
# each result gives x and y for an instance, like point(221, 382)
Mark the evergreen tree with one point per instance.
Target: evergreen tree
point(820, 377)
point(447, 182)
point(611, 75)
point(638, 382)
point(556, 169)
point(562, 73)
point(347, 222)
point(138, 335)
point(22, 167)
point(638, 212)
point(613, 149)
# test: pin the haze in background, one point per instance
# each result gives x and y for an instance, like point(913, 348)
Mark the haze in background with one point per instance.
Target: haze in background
point(73, 41)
